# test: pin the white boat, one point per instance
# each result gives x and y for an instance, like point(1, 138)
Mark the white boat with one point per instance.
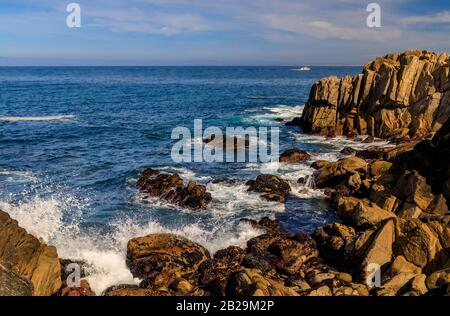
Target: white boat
point(304, 68)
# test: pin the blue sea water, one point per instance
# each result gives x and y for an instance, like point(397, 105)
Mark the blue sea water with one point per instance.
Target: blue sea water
point(74, 140)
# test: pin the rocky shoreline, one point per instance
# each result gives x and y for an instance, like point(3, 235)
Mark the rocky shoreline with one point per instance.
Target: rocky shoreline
point(393, 202)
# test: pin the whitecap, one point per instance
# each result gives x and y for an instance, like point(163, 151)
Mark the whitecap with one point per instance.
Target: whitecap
point(38, 118)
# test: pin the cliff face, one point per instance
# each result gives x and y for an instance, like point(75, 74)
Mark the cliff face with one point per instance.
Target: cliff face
point(396, 96)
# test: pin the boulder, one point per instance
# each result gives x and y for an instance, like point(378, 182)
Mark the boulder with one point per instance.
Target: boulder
point(362, 212)
point(294, 156)
point(418, 243)
point(318, 164)
point(252, 282)
point(214, 273)
point(378, 167)
point(159, 259)
point(337, 172)
point(418, 285)
point(438, 280)
point(380, 250)
point(170, 187)
point(273, 187)
point(395, 285)
point(401, 265)
point(27, 257)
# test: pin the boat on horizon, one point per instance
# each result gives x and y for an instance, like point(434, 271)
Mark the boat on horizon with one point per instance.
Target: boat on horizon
point(303, 68)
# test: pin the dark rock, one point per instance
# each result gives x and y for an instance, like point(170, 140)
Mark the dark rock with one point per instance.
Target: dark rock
point(214, 273)
point(318, 164)
point(294, 122)
point(294, 156)
point(273, 187)
point(170, 187)
point(368, 140)
point(265, 224)
point(161, 258)
point(348, 151)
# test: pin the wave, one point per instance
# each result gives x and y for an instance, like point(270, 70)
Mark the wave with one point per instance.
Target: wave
point(38, 118)
point(280, 111)
point(17, 176)
point(330, 149)
point(58, 220)
point(233, 197)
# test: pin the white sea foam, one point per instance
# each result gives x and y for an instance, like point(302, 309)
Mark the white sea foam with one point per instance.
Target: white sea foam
point(281, 111)
point(57, 221)
point(38, 118)
point(233, 197)
point(17, 176)
point(335, 145)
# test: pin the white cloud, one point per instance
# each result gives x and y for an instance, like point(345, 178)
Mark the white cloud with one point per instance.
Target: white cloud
point(326, 30)
point(438, 18)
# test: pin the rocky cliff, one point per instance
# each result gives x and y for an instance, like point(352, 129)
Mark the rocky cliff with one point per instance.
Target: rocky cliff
point(396, 96)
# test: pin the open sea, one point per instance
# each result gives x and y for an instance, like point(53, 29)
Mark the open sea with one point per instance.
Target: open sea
point(74, 140)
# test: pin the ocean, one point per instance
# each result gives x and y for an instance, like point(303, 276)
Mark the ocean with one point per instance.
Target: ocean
point(73, 141)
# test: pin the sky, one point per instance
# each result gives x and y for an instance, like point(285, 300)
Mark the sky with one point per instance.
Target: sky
point(217, 32)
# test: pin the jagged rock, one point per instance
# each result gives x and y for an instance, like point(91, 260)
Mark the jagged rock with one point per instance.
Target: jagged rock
point(214, 273)
point(251, 282)
point(438, 279)
point(378, 167)
point(265, 224)
point(386, 153)
point(380, 250)
point(332, 241)
point(362, 212)
point(335, 173)
point(318, 164)
point(170, 187)
point(419, 244)
point(294, 156)
point(418, 284)
point(161, 258)
point(401, 265)
point(12, 284)
point(396, 96)
point(395, 285)
point(273, 187)
point(29, 258)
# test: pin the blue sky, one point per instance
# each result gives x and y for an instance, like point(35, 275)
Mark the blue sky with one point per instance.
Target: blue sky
point(217, 32)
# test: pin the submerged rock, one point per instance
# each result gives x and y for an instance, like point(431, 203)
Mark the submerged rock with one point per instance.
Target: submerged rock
point(170, 187)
